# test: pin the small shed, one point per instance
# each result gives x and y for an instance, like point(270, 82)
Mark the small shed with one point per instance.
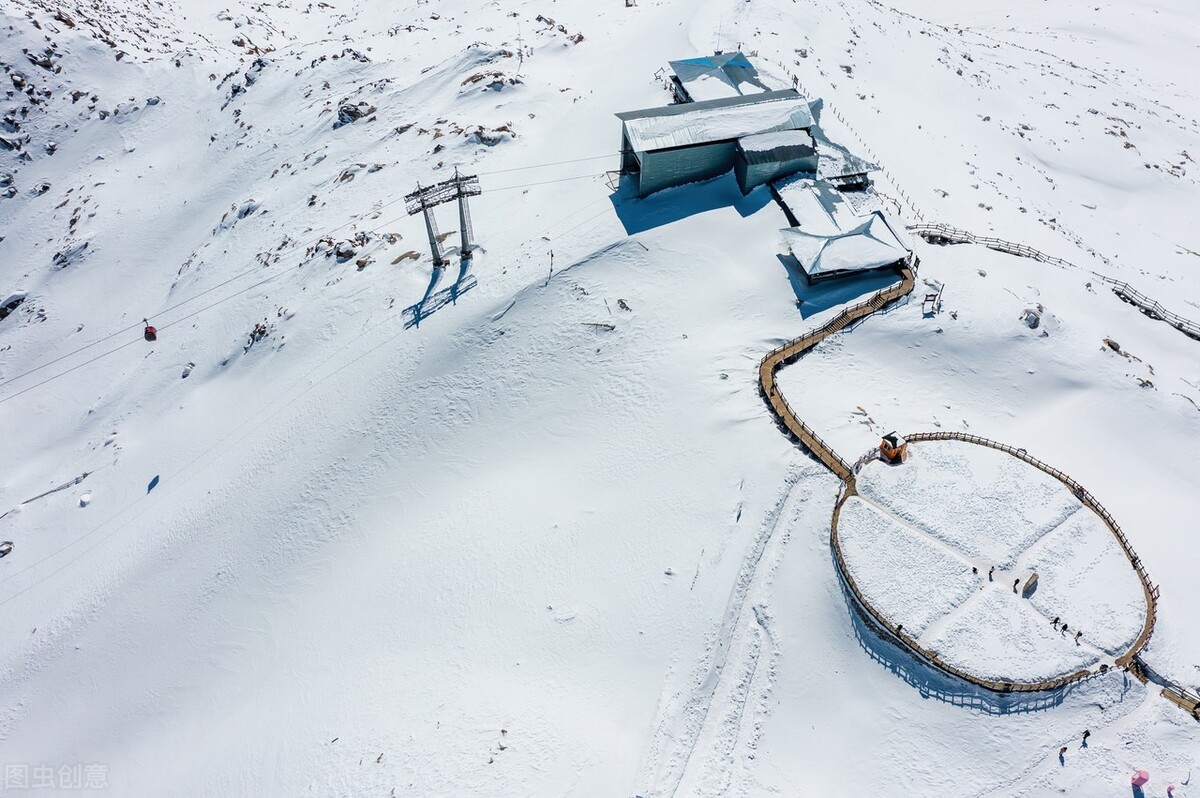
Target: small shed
point(681, 144)
point(766, 157)
point(715, 77)
point(894, 448)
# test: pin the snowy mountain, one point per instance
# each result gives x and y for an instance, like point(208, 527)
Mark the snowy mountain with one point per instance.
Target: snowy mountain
point(354, 525)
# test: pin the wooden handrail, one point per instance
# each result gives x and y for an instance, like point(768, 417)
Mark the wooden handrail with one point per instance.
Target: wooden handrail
point(944, 232)
point(791, 351)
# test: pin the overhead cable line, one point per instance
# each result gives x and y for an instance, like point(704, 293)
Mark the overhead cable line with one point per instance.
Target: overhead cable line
point(219, 285)
point(290, 391)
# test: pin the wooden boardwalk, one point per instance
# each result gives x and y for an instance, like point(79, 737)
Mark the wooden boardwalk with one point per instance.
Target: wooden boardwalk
point(1089, 501)
point(795, 349)
point(1150, 591)
point(945, 234)
point(803, 434)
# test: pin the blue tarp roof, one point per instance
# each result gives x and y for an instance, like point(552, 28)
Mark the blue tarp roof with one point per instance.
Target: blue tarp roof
point(714, 76)
point(715, 61)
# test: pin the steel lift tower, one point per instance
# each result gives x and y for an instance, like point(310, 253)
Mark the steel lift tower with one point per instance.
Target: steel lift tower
point(425, 199)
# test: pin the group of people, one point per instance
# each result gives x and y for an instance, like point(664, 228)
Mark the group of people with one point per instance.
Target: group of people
point(1063, 629)
point(1062, 752)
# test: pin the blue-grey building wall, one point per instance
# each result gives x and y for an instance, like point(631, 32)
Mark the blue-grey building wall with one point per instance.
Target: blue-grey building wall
point(676, 167)
point(753, 175)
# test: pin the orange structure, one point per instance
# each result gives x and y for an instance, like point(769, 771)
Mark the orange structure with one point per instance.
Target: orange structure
point(894, 448)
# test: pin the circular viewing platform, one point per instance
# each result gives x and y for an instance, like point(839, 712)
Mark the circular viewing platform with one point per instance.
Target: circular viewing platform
point(991, 567)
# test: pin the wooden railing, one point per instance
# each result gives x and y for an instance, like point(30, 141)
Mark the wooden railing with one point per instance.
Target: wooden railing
point(793, 350)
point(1089, 501)
point(1177, 694)
point(894, 631)
point(942, 233)
point(1185, 699)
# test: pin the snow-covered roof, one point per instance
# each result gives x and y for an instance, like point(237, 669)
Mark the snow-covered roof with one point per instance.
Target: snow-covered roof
point(815, 206)
point(715, 120)
point(716, 76)
point(835, 161)
point(872, 244)
point(780, 146)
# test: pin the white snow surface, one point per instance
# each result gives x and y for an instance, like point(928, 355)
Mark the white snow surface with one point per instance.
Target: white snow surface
point(691, 124)
point(919, 528)
point(869, 245)
point(983, 502)
point(995, 635)
point(767, 142)
point(508, 550)
point(1082, 558)
point(909, 578)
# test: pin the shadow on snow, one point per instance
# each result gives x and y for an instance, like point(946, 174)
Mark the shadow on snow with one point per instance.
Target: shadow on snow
point(435, 300)
point(933, 683)
point(814, 299)
point(675, 204)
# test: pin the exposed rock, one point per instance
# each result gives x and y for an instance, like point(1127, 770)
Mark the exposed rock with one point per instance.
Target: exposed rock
point(69, 256)
point(11, 303)
point(348, 113)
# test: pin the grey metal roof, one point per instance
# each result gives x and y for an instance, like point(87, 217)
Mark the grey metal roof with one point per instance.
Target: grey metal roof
point(871, 244)
point(715, 120)
point(786, 145)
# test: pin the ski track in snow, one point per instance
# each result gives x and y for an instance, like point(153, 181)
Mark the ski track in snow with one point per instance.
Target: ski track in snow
point(695, 746)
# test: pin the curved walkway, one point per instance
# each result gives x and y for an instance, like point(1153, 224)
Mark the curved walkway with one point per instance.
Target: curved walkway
point(798, 430)
point(1088, 500)
point(793, 350)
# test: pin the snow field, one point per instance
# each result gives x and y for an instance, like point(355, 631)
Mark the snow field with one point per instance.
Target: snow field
point(909, 578)
point(917, 573)
point(995, 635)
point(510, 552)
point(981, 501)
point(1082, 558)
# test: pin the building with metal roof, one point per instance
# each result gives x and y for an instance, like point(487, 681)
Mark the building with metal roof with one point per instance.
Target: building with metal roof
point(679, 144)
point(839, 166)
point(829, 238)
point(765, 157)
point(715, 77)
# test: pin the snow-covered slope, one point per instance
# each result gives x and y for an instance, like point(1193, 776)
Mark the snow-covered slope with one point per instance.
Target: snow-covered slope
point(528, 528)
